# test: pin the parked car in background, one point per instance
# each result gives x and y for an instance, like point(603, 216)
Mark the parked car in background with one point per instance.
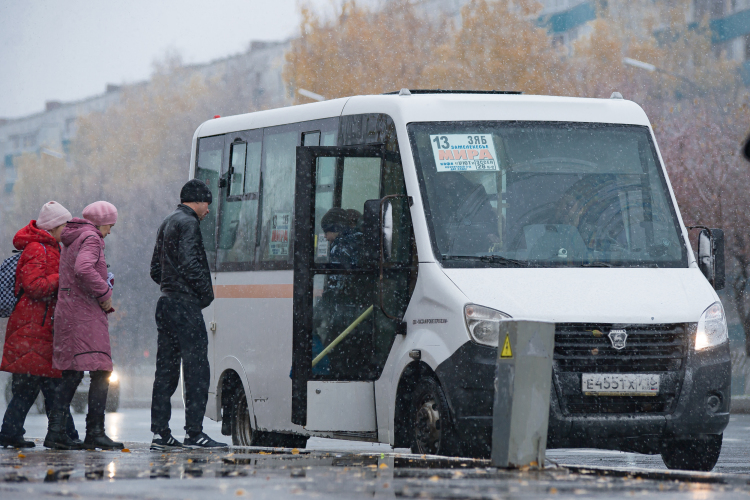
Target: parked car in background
point(81, 398)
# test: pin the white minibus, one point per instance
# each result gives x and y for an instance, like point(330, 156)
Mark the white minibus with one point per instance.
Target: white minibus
point(365, 249)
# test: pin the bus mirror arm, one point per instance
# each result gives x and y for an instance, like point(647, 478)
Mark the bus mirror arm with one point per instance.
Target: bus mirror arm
point(711, 255)
point(377, 233)
point(386, 248)
point(224, 179)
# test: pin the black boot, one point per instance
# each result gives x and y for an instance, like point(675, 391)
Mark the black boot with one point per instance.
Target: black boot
point(72, 432)
point(95, 436)
point(15, 442)
point(57, 437)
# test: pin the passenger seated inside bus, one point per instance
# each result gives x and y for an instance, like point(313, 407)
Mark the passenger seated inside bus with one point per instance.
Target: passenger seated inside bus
point(344, 296)
point(465, 219)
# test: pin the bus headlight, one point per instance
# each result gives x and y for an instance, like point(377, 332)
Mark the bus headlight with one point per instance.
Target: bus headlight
point(712, 328)
point(484, 324)
point(113, 377)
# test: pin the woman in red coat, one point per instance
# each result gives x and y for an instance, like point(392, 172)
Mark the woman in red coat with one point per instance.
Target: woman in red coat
point(28, 339)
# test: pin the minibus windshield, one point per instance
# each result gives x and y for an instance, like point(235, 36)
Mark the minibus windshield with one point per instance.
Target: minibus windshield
point(541, 194)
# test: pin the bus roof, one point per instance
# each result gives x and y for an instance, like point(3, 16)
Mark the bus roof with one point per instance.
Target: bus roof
point(442, 107)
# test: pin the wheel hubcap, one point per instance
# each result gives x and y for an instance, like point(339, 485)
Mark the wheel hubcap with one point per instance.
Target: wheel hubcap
point(427, 427)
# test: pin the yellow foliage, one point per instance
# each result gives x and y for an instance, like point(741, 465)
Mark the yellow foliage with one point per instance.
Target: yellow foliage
point(41, 178)
point(361, 52)
point(497, 48)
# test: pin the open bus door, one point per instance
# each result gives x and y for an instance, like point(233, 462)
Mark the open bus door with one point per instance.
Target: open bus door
point(342, 332)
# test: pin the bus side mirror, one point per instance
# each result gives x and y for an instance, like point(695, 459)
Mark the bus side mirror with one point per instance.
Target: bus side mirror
point(711, 257)
point(387, 230)
point(371, 233)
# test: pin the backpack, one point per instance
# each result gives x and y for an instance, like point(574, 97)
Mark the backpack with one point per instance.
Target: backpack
point(8, 297)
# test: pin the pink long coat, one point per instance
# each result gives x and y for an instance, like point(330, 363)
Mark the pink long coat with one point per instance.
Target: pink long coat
point(81, 339)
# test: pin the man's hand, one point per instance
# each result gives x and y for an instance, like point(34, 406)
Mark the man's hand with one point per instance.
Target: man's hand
point(106, 306)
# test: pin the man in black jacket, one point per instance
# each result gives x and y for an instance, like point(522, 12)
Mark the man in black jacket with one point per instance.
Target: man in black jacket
point(179, 265)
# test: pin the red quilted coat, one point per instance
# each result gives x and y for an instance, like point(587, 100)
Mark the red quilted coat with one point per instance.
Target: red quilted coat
point(28, 338)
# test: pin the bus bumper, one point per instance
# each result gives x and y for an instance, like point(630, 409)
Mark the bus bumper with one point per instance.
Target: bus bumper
point(467, 379)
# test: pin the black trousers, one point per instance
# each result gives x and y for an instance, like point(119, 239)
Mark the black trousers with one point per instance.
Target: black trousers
point(25, 389)
point(97, 390)
point(182, 338)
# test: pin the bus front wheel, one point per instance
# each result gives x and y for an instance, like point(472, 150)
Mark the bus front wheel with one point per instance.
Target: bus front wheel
point(697, 453)
point(432, 430)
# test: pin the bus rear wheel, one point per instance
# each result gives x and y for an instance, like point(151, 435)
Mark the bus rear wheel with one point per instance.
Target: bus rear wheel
point(243, 433)
point(432, 430)
point(698, 453)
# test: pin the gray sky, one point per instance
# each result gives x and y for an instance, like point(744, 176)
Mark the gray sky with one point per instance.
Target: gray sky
point(70, 49)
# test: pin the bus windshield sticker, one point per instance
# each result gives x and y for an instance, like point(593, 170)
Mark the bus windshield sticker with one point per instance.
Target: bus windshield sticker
point(322, 246)
point(280, 234)
point(464, 152)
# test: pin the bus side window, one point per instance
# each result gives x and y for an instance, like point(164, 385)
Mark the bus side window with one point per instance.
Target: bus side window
point(277, 199)
point(311, 138)
point(207, 169)
point(238, 216)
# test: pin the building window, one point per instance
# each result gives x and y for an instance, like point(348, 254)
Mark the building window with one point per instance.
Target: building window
point(70, 126)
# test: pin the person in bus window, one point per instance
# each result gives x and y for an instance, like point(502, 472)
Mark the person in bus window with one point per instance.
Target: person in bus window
point(346, 246)
point(355, 219)
point(468, 219)
point(344, 295)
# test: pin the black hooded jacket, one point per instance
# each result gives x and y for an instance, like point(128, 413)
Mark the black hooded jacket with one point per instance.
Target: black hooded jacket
point(179, 263)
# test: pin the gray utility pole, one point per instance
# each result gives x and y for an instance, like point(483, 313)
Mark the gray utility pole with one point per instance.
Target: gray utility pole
point(523, 382)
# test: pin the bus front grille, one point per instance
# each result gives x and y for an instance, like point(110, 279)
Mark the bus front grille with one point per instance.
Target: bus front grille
point(588, 348)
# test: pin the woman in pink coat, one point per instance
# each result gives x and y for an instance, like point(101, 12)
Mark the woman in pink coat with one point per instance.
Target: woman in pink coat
point(81, 340)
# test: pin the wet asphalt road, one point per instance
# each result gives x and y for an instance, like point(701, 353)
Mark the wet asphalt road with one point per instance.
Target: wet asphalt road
point(335, 469)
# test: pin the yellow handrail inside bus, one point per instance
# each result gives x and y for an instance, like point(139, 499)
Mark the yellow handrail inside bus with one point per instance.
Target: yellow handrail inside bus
point(343, 335)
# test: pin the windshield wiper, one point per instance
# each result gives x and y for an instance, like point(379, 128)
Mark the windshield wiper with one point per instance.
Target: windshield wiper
point(492, 259)
point(596, 264)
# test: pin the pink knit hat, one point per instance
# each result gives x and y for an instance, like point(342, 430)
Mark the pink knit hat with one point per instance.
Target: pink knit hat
point(52, 215)
point(101, 213)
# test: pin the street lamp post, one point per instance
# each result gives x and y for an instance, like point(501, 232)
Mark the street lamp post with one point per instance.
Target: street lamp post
point(635, 63)
point(311, 95)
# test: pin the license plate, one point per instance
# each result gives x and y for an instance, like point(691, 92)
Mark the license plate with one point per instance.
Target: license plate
point(620, 384)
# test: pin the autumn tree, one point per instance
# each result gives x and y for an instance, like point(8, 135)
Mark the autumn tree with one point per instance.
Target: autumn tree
point(497, 48)
point(362, 51)
point(32, 168)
